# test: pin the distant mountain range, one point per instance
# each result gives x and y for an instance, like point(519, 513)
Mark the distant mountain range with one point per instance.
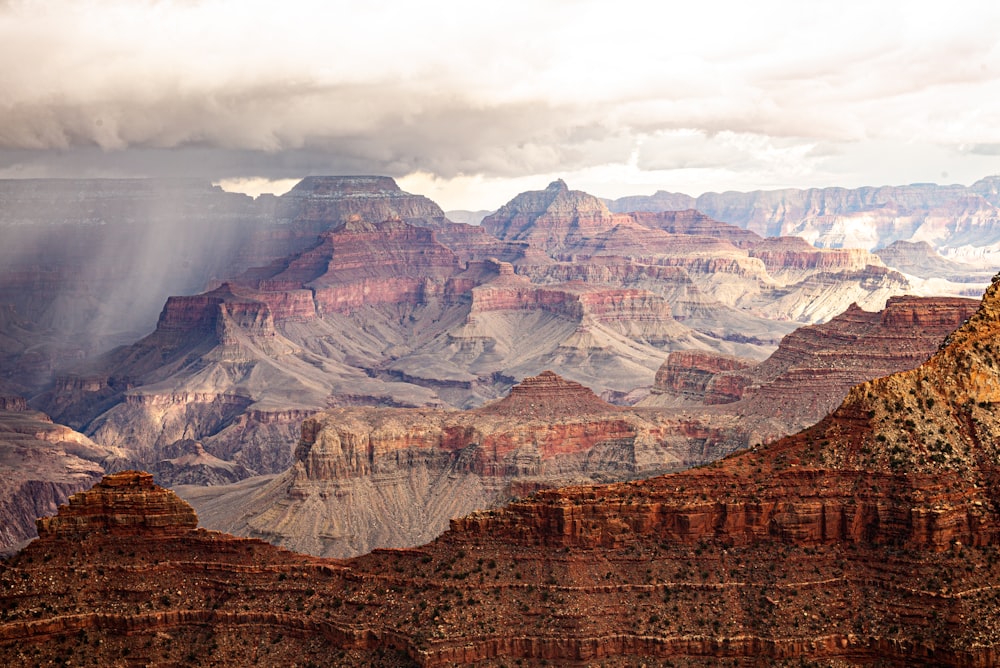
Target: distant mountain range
point(962, 223)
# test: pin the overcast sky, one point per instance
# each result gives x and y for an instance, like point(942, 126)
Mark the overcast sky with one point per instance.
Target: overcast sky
point(472, 102)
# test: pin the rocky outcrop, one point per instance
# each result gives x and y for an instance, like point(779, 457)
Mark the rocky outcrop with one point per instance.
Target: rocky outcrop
point(869, 538)
point(789, 254)
point(698, 376)
point(778, 278)
point(382, 477)
point(550, 218)
point(577, 301)
point(547, 395)
point(332, 200)
point(379, 477)
point(88, 263)
point(692, 223)
point(919, 258)
point(122, 504)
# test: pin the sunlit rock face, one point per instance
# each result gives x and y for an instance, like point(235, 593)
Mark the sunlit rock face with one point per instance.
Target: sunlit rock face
point(393, 477)
point(812, 369)
point(41, 464)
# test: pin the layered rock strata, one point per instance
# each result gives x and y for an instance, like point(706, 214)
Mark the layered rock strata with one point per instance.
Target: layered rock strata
point(384, 477)
point(781, 279)
point(813, 367)
point(871, 537)
point(958, 221)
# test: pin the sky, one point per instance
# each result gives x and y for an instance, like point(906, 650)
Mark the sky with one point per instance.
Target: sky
point(470, 103)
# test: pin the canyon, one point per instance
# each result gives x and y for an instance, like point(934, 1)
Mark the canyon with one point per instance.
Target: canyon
point(870, 537)
point(368, 477)
point(349, 292)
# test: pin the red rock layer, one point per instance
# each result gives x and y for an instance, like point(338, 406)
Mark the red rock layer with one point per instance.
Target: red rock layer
point(573, 300)
point(126, 503)
point(334, 199)
point(871, 537)
point(359, 263)
point(785, 253)
point(694, 374)
point(550, 218)
point(814, 366)
point(691, 222)
point(542, 419)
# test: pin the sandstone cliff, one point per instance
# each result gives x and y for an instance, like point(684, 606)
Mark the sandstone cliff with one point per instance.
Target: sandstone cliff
point(87, 264)
point(780, 279)
point(920, 259)
point(378, 477)
point(384, 313)
point(871, 537)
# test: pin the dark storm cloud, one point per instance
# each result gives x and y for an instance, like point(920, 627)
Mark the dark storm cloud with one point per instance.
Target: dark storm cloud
point(221, 88)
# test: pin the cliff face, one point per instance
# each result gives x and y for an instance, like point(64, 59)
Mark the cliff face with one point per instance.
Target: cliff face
point(123, 504)
point(780, 279)
point(382, 311)
point(813, 367)
point(87, 264)
point(378, 477)
point(871, 537)
point(41, 464)
point(920, 259)
point(696, 376)
point(958, 221)
point(378, 313)
point(333, 199)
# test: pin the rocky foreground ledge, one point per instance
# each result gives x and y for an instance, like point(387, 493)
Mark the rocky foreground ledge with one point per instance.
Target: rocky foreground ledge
point(870, 538)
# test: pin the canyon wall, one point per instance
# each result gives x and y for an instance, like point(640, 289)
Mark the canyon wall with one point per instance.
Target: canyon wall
point(871, 537)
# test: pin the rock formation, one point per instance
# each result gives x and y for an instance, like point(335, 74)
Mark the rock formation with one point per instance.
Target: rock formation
point(123, 504)
point(959, 222)
point(348, 291)
point(393, 477)
point(812, 369)
point(87, 264)
point(698, 376)
point(385, 313)
point(41, 464)
point(871, 537)
point(919, 258)
point(550, 218)
point(779, 279)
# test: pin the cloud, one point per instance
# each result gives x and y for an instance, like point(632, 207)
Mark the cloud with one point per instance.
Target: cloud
point(229, 89)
